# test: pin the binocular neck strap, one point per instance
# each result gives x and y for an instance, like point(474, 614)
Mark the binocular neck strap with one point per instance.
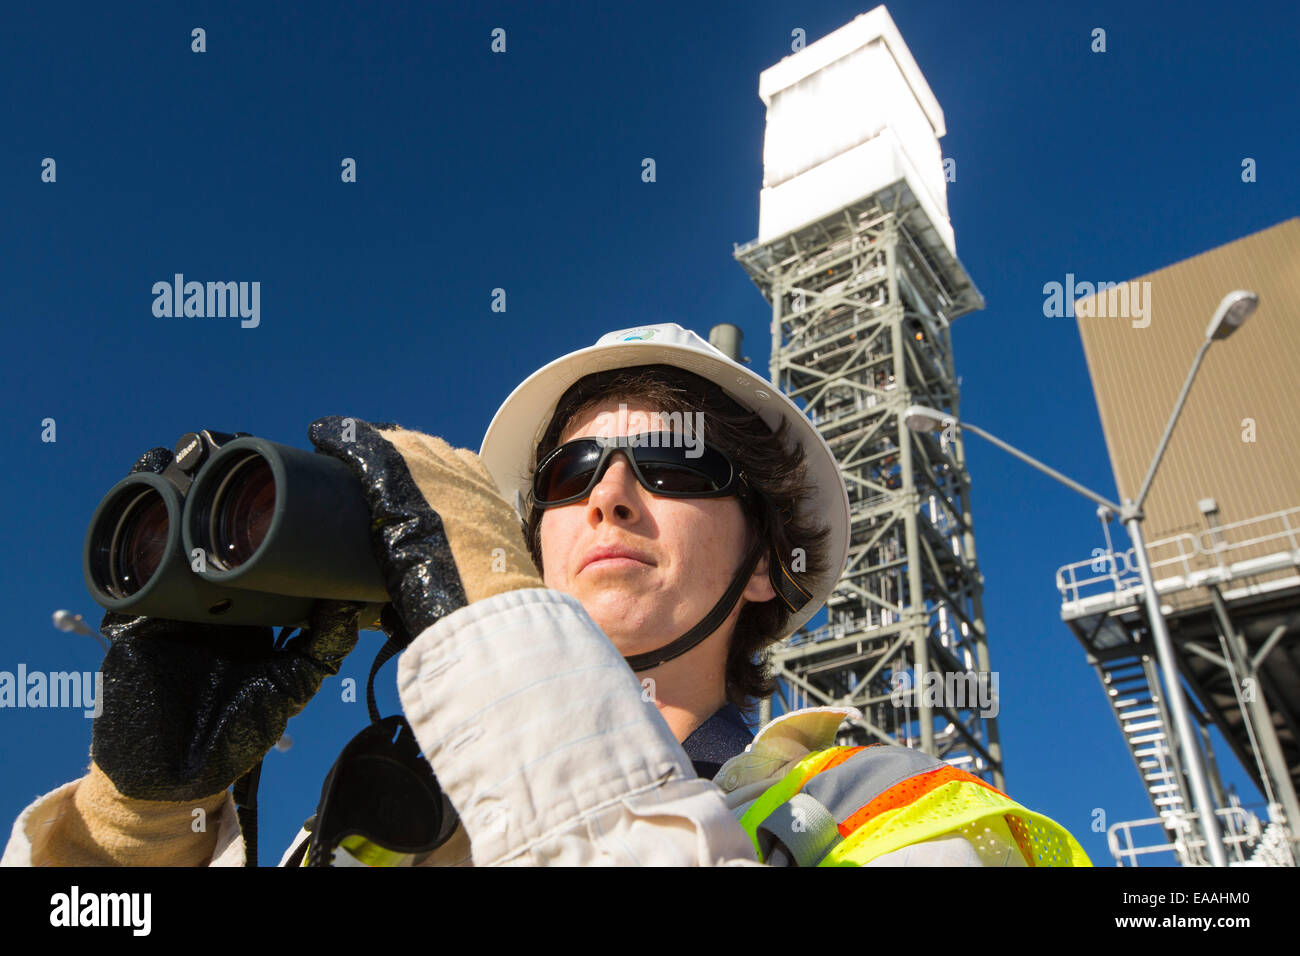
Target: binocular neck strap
point(245, 794)
point(711, 622)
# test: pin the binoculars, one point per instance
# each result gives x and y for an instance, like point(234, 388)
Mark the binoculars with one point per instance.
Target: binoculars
point(236, 530)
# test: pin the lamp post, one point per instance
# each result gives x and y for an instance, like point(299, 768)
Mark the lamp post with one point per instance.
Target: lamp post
point(71, 623)
point(1232, 312)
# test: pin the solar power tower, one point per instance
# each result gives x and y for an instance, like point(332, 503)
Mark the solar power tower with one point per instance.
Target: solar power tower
point(855, 253)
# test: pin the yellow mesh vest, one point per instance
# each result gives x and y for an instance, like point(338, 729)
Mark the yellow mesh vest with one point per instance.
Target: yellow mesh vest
point(959, 804)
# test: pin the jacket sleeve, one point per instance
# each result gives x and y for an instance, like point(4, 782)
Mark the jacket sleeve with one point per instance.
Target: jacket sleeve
point(538, 733)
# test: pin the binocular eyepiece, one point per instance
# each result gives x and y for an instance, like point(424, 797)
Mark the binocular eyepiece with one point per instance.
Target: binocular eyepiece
point(235, 530)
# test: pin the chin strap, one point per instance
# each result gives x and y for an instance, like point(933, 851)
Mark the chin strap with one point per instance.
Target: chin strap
point(793, 596)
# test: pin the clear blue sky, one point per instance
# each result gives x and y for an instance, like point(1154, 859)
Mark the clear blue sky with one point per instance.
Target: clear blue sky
point(522, 171)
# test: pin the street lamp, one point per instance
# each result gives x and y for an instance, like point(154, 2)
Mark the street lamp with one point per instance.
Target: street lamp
point(1232, 312)
point(71, 623)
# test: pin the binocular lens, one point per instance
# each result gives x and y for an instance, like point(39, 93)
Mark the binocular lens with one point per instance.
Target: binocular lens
point(253, 534)
point(241, 512)
point(134, 550)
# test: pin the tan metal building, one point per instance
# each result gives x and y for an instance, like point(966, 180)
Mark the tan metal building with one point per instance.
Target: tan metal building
point(1223, 532)
point(1238, 439)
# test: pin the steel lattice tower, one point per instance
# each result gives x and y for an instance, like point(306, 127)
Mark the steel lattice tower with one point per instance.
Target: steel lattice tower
point(862, 298)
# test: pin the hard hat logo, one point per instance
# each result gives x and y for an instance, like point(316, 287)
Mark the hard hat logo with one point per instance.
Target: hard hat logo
point(637, 335)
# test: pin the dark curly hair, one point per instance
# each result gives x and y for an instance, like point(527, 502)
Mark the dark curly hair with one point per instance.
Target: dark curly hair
point(776, 477)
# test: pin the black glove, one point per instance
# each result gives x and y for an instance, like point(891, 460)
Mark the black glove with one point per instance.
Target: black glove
point(407, 534)
point(190, 708)
point(440, 531)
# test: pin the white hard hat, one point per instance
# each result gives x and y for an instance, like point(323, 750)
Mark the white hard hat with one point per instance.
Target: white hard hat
point(522, 420)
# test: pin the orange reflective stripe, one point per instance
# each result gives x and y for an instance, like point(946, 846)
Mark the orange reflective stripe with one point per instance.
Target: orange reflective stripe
point(844, 754)
point(828, 758)
point(913, 788)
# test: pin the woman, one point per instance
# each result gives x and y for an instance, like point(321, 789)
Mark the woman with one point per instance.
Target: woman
point(589, 713)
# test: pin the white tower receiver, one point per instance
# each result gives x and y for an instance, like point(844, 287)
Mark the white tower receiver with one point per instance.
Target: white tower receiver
point(856, 254)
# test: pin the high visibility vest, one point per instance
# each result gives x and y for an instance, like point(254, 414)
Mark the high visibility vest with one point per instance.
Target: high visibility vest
point(845, 806)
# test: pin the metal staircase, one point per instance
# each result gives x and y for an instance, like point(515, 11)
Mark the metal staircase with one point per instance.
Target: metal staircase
point(1129, 681)
point(1232, 598)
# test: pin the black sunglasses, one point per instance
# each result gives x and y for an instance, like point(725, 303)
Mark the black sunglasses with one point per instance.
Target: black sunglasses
point(668, 469)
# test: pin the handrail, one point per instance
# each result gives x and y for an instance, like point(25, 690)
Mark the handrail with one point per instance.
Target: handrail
point(1121, 570)
point(1236, 832)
